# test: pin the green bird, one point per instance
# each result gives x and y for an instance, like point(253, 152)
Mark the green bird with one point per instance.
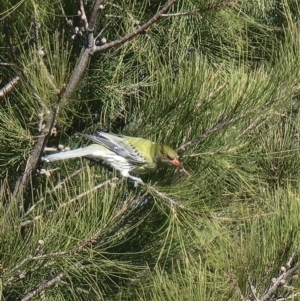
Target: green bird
point(125, 154)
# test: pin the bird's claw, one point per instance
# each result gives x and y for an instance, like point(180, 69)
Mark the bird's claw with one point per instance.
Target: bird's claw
point(137, 181)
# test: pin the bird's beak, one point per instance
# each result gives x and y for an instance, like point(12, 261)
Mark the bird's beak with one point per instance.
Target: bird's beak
point(176, 163)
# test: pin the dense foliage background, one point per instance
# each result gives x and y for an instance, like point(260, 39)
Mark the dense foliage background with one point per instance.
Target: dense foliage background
point(219, 81)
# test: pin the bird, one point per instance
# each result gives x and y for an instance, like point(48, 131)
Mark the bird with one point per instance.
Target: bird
point(125, 154)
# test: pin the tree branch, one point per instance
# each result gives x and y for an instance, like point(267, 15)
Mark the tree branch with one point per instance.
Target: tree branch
point(9, 86)
point(94, 15)
point(58, 186)
point(83, 15)
point(218, 126)
point(34, 157)
point(42, 286)
point(139, 30)
point(73, 84)
point(67, 203)
point(280, 281)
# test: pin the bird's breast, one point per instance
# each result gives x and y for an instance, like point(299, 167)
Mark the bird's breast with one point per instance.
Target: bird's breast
point(145, 168)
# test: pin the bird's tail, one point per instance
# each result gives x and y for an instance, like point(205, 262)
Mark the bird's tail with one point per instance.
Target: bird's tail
point(76, 153)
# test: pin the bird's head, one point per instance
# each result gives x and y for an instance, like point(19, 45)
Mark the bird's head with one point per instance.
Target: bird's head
point(168, 156)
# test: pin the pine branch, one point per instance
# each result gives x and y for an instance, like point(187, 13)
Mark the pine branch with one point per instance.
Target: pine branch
point(173, 203)
point(287, 274)
point(9, 86)
point(34, 158)
point(140, 30)
point(211, 6)
point(122, 219)
point(43, 286)
point(219, 125)
point(67, 203)
point(36, 27)
point(58, 186)
point(83, 15)
point(71, 87)
point(68, 21)
point(215, 153)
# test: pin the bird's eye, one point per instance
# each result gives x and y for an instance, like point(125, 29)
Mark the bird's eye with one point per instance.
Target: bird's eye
point(165, 155)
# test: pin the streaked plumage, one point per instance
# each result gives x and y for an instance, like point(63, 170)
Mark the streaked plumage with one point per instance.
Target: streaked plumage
point(125, 154)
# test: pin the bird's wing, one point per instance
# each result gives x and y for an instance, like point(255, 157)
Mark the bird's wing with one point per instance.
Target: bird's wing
point(118, 145)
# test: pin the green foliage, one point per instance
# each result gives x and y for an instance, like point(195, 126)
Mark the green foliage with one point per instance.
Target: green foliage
point(220, 83)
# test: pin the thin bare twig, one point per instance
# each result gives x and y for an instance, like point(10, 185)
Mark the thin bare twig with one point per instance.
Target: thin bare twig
point(7, 64)
point(34, 157)
point(280, 281)
point(290, 297)
point(182, 169)
point(69, 22)
point(101, 32)
point(36, 27)
point(251, 126)
point(83, 15)
point(34, 219)
point(85, 58)
point(137, 31)
point(38, 257)
point(42, 286)
point(123, 10)
point(186, 13)
point(9, 86)
point(94, 15)
point(252, 289)
point(217, 91)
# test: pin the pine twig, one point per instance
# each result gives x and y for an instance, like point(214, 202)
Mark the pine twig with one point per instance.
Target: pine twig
point(68, 21)
point(36, 28)
point(171, 201)
point(87, 192)
point(213, 6)
point(137, 31)
point(69, 202)
point(287, 273)
point(58, 186)
point(218, 126)
point(43, 286)
point(83, 15)
point(218, 152)
point(9, 86)
point(6, 64)
point(72, 85)
point(252, 289)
